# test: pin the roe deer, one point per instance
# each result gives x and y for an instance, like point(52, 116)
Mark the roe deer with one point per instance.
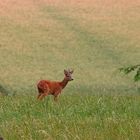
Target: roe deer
point(46, 87)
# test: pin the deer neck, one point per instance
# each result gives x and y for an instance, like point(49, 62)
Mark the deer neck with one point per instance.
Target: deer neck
point(64, 82)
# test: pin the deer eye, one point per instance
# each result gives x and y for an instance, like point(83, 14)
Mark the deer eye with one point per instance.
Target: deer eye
point(68, 75)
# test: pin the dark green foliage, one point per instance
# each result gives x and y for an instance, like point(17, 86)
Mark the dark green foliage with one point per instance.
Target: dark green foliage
point(135, 68)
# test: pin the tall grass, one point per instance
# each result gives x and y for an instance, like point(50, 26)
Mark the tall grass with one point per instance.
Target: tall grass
point(77, 117)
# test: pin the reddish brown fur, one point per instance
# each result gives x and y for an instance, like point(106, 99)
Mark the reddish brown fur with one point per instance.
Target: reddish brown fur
point(46, 87)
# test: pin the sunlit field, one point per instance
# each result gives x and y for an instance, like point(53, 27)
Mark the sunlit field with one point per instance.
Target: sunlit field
point(39, 39)
point(73, 117)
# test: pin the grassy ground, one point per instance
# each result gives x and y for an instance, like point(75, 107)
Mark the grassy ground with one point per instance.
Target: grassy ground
point(39, 39)
point(73, 117)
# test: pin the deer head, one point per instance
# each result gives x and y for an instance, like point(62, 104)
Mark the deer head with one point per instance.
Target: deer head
point(68, 74)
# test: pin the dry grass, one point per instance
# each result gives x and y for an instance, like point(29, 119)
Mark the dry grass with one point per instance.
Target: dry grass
point(94, 37)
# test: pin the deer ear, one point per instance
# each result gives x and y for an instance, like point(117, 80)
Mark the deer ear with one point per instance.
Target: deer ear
point(71, 71)
point(65, 71)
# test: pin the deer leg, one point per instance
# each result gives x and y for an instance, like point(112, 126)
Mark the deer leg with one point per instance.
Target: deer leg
point(42, 93)
point(38, 95)
point(55, 98)
point(41, 96)
point(56, 95)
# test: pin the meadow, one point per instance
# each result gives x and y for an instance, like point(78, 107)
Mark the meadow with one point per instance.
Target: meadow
point(75, 117)
point(39, 39)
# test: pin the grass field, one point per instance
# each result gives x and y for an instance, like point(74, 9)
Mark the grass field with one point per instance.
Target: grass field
point(73, 117)
point(39, 39)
